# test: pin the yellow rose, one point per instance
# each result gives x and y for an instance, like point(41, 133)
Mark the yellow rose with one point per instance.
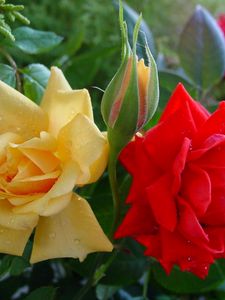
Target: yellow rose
point(44, 152)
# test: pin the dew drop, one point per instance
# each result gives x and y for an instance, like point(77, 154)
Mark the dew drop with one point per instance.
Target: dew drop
point(189, 258)
point(76, 241)
point(18, 129)
point(206, 268)
point(188, 241)
point(52, 235)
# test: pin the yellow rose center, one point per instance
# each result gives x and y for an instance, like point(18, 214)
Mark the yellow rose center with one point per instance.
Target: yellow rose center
point(27, 168)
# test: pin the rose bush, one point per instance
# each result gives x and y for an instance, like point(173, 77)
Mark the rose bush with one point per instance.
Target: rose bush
point(177, 197)
point(44, 152)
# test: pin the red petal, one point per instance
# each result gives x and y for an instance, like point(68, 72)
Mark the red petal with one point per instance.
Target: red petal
point(141, 166)
point(138, 221)
point(162, 202)
point(215, 214)
point(179, 164)
point(189, 225)
point(196, 188)
point(190, 257)
point(164, 141)
point(215, 124)
point(177, 100)
point(210, 143)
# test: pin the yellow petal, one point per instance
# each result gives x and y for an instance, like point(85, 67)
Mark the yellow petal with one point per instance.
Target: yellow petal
point(27, 169)
point(35, 184)
point(45, 142)
point(17, 200)
point(11, 220)
point(81, 141)
point(74, 232)
point(64, 185)
point(66, 106)
point(40, 151)
point(5, 139)
point(56, 82)
point(44, 160)
point(62, 103)
point(13, 241)
point(57, 204)
point(20, 115)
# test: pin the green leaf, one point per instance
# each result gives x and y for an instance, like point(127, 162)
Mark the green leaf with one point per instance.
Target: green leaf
point(43, 293)
point(131, 18)
point(127, 267)
point(202, 49)
point(5, 264)
point(105, 291)
point(8, 75)
point(168, 81)
point(18, 265)
point(185, 282)
point(34, 41)
point(35, 80)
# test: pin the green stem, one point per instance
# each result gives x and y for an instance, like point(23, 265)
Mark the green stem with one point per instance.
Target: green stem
point(146, 283)
point(14, 66)
point(114, 188)
point(98, 271)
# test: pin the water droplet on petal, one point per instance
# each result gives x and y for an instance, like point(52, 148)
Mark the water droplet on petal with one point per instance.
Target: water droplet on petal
point(18, 129)
point(188, 241)
point(76, 241)
point(52, 235)
point(189, 258)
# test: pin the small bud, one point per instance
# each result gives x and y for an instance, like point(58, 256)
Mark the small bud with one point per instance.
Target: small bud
point(131, 98)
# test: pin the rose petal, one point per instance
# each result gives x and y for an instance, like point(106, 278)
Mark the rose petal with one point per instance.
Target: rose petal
point(35, 184)
point(5, 139)
point(131, 225)
point(189, 225)
point(26, 169)
point(216, 211)
point(11, 220)
point(164, 141)
point(19, 114)
point(215, 124)
point(189, 256)
point(62, 103)
point(136, 160)
point(66, 106)
point(196, 189)
point(162, 202)
point(44, 160)
point(44, 142)
point(74, 232)
point(64, 185)
point(82, 142)
point(56, 82)
point(13, 241)
point(180, 97)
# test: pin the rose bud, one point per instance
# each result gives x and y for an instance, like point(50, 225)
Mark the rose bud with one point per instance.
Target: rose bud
point(131, 98)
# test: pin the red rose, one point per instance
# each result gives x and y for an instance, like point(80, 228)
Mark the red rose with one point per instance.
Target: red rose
point(177, 197)
point(221, 22)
